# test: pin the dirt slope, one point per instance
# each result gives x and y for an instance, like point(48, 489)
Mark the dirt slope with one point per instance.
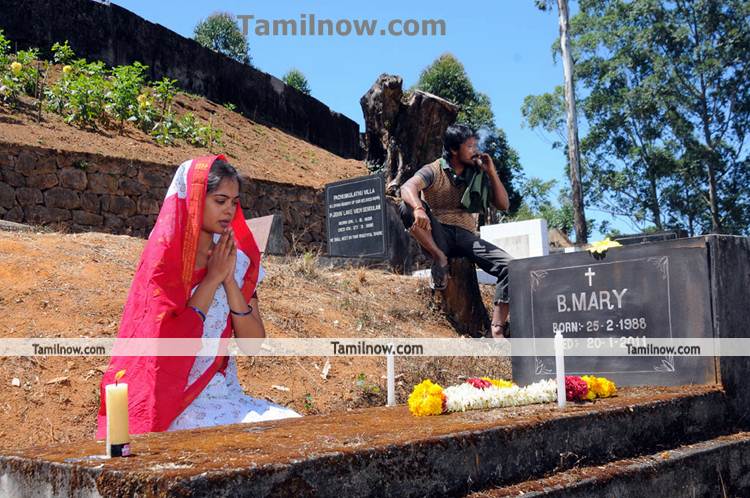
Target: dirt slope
point(258, 150)
point(74, 285)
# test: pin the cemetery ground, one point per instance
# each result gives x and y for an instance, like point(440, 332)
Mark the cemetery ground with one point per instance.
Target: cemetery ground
point(75, 285)
point(56, 284)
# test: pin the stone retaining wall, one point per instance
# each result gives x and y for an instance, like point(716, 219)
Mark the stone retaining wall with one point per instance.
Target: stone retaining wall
point(91, 192)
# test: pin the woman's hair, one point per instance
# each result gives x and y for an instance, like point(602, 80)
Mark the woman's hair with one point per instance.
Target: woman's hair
point(219, 171)
point(454, 136)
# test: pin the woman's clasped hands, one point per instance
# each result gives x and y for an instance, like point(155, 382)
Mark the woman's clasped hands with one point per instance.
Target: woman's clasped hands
point(222, 259)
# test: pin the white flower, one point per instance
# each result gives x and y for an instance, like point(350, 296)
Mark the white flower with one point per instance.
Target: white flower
point(464, 396)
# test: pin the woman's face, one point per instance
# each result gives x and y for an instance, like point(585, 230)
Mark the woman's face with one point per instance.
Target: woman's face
point(221, 205)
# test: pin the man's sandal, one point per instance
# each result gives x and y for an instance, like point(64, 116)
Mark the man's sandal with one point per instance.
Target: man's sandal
point(439, 276)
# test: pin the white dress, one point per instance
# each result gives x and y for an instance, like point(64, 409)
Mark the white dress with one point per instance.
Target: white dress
point(223, 401)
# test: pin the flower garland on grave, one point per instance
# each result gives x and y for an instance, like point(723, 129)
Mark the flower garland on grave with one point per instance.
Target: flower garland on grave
point(598, 387)
point(477, 393)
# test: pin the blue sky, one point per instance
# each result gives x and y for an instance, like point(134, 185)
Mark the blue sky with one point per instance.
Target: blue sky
point(503, 44)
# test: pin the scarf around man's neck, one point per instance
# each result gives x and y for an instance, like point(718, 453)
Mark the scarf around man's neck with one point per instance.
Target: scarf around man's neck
point(477, 195)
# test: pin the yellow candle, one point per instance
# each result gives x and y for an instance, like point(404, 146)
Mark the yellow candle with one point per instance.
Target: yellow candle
point(117, 414)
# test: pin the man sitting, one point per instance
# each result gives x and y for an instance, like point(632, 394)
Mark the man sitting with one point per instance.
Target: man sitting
point(460, 183)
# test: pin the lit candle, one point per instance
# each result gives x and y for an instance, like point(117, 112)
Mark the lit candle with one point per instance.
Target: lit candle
point(118, 437)
point(560, 368)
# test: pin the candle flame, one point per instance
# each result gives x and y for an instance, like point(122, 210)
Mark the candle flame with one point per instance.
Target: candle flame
point(119, 375)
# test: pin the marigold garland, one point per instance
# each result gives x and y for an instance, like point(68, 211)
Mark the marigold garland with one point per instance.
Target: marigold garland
point(427, 398)
point(599, 387)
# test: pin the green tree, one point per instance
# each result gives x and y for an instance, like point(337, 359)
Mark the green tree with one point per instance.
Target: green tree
point(571, 116)
point(296, 79)
point(537, 203)
point(220, 32)
point(546, 114)
point(446, 77)
point(669, 107)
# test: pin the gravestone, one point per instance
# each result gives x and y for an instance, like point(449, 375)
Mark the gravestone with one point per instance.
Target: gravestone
point(644, 238)
point(520, 239)
point(268, 232)
point(356, 218)
point(632, 293)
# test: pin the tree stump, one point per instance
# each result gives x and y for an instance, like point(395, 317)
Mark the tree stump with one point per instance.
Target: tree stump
point(462, 301)
point(403, 132)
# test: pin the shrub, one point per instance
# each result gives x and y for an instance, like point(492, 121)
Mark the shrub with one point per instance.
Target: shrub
point(126, 85)
point(89, 95)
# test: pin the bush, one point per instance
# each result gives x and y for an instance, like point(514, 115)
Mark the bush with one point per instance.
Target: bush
point(126, 85)
point(80, 96)
point(19, 73)
point(62, 54)
point(166, 127)
point(296, 79)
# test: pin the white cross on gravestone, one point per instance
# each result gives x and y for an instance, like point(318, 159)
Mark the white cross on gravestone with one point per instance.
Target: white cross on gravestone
point(589, 274)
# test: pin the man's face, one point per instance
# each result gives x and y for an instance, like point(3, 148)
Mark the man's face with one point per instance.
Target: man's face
point(466, 152)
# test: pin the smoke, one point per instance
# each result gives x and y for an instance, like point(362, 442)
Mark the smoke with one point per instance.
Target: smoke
point(484, 133)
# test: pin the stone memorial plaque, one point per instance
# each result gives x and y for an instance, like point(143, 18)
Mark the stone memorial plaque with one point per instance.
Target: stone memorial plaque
point(520, 239)
point(356, 217)
point(633, 293)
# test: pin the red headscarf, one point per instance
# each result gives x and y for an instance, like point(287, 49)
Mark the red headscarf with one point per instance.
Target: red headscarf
point(157, 305)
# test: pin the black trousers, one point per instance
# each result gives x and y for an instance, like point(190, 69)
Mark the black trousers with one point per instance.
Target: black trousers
point(458, 242)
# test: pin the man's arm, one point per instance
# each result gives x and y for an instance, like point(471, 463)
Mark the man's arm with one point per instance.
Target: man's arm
point(421, 180)
point(499, 194)
point(410, 190)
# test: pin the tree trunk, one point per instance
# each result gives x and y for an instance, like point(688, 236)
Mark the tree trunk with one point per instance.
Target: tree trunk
point(574, 155)
point(462, 301)
point(402, 132)
point(655, 209)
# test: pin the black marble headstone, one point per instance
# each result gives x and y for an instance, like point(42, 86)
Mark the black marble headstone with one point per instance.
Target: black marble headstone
point(645, 238)
point(659, 290)
point(356, 217)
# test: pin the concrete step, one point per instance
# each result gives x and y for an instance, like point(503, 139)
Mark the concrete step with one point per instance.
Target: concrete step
point(377, 451)
point(717, 467)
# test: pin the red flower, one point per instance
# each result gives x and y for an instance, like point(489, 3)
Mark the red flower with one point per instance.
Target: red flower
point(576, 388)
point(479, 383)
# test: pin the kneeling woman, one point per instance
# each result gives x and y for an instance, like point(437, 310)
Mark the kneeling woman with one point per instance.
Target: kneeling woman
point(196, 279)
